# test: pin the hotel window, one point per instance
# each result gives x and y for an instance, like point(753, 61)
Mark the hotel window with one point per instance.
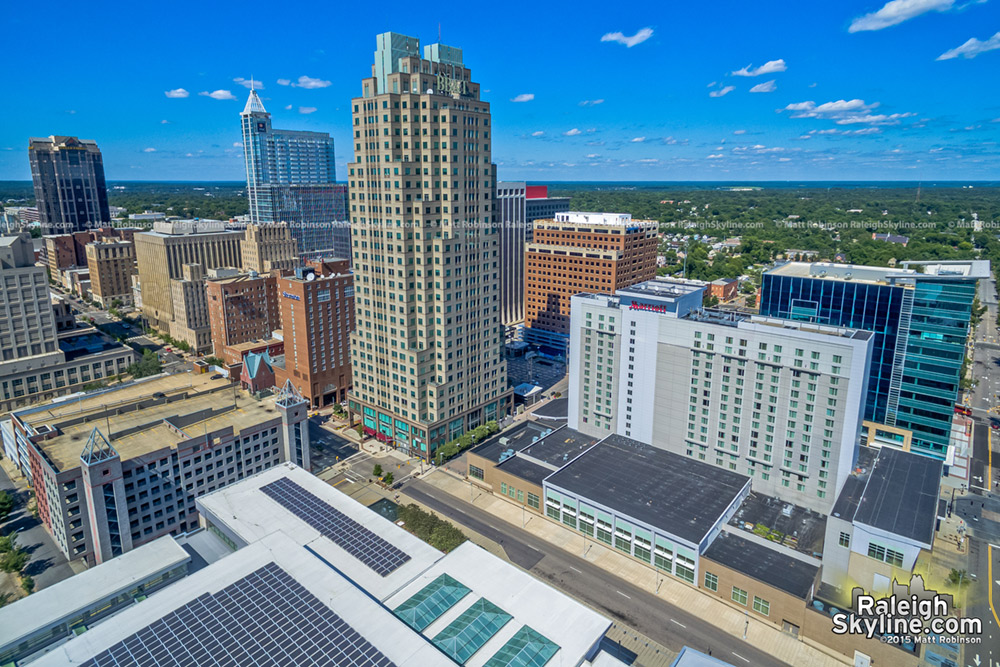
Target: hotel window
point(711, 581)
point(739, 595)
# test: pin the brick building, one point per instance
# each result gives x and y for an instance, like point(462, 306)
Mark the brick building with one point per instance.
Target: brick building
point(317, 317)
point(112, 264)
point(581, 252)
point(241, 309)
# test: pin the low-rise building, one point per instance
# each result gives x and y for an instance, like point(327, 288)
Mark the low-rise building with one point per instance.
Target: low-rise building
point(118, 468)
point(724, 289)
point(318, 578)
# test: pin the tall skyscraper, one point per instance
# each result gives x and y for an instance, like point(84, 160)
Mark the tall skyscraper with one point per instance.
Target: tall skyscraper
point(291, 178)
point(519, 206)
point(426, 354)
point(70, 192)
point(581, 252)
point(777, 400)
point(920, 317)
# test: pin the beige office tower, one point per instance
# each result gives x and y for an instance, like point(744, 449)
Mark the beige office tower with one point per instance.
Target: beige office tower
point(162, 253)
point(269, 247)
point(426, 354)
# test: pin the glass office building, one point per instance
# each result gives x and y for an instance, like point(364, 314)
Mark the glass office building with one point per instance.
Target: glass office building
point(920, 317)
point(291, 178)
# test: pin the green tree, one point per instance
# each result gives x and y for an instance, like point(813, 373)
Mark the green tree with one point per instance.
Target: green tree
point(148, 365)
point(14, 561)
point(7, 504)
point(387, 480)
point(28, 584)
point(377, 471)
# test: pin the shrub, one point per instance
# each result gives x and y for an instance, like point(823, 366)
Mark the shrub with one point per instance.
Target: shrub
point(7, 504)
point(377, 471)
point(438, 533)
point(28, 584)
point(387, 480)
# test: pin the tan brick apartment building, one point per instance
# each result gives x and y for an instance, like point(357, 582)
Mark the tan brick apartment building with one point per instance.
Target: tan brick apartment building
point(582, 252)
point(316, 306)
point(269, 247)
point(112, 264)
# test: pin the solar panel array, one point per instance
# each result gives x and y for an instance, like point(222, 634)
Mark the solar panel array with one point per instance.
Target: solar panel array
point(266, 618)
point(345, 532)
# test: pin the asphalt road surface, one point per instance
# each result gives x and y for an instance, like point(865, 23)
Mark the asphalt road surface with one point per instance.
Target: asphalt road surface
point(620, 600)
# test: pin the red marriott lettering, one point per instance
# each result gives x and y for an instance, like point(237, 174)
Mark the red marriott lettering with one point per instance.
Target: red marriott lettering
point(635, 305)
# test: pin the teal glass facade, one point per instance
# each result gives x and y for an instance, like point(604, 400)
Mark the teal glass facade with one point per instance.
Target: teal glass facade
point(919, 344)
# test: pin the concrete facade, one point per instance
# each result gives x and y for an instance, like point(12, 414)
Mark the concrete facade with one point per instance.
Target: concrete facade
point(111, 264)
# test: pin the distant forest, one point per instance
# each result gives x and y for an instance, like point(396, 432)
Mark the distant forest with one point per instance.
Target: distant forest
point(770, 219)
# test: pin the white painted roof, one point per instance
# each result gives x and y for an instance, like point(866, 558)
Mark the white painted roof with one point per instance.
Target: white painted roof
point(250, 514)
point(575, 628)
point(69, 597)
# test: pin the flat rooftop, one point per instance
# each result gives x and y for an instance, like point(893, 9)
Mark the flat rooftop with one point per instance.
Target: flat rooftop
point(69, 597)
point(249, 513)
point(668, 491)
point(854, 485)
point(516, 438)
point(267, 601)
point(569, 628)
point(556, 408)
point(136, 412)
point(662, 287)
point(764, 564)
point(804, 529)
point(957, 269)
point(901, 496)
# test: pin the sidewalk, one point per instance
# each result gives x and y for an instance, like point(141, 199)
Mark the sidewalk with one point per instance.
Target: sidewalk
point(761, 635)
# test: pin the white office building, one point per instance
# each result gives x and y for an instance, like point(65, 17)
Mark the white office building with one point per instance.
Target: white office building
point(777, 400)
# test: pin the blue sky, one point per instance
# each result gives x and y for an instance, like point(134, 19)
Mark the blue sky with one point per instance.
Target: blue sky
point(661, 91)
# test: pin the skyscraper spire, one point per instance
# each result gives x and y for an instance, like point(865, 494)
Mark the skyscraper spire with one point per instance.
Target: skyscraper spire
point(254, 105)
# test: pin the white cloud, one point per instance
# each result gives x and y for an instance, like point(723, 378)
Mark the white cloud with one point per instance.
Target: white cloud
point(876, 119)
point(309, 83)
point(784, 159)
point(897, 11)
point(176, 93)
point(572, 133)
point(839, 108)
point(592, 156)
point(284, 82)
point(523, 97)
point(670, 141)
point(638, 38)
point(237, 144)
point(844, 133)
point(722, 91)
point(648, 160)
point(537, 133)
point(813, 85)
point(972, 48)
point(638, 140)
point(218, 94)
point(249, 83)
point(307, 109)
point(591, 103)
point(739, 131)
point(288, 107)
point(716, 156)
point(164, 122)
point(770, 67)
point(149, 150)
point(766, 87)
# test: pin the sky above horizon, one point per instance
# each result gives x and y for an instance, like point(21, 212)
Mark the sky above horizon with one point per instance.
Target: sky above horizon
point(850, 90)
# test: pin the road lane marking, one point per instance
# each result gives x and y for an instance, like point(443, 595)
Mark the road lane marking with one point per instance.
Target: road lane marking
point(678, 623)
point(989, 565)
point(575, 570)
point(623, 595)
point(740, 656)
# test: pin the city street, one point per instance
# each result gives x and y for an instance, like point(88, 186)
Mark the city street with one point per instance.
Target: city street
point(48, 565)
point(327, 447)
point(637, 608)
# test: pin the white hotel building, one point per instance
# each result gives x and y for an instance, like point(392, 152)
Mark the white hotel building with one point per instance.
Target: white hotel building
point(777, 400)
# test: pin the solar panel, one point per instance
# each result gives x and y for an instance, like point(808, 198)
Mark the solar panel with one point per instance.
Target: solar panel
point(266, 618)
point(345, 532)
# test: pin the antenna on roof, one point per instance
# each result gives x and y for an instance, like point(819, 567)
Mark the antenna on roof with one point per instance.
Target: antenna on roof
point(439, 32)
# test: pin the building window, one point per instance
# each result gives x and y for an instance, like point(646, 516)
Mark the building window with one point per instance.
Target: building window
point(533, 500)
point(889, 556)
point(761, 606)
point(739, 595)
point(475, 472)
point(503, 488)
point(845, 540)
point(711, 582)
